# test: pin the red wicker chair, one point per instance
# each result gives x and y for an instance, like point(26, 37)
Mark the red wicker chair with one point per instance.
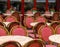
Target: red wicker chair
point(12, 25)
point(34, 43)
point(54, 24)
point(57, 29)
point(40, 19)
point(11, 44)
point(18, 30)
point(27, 21)
point(16, 14)
point(3, 31)
point(10, 19)
point(44, 32)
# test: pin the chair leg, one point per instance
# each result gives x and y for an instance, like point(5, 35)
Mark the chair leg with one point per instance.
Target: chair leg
point(58, 45)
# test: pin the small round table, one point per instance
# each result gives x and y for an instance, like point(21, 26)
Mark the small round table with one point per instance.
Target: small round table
point(47, 14)
point(34, 23)
point(29, 14)
point(6, 23)
point(48, 24)
point(7, 14)
point(55, 38)
point(21, 39)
